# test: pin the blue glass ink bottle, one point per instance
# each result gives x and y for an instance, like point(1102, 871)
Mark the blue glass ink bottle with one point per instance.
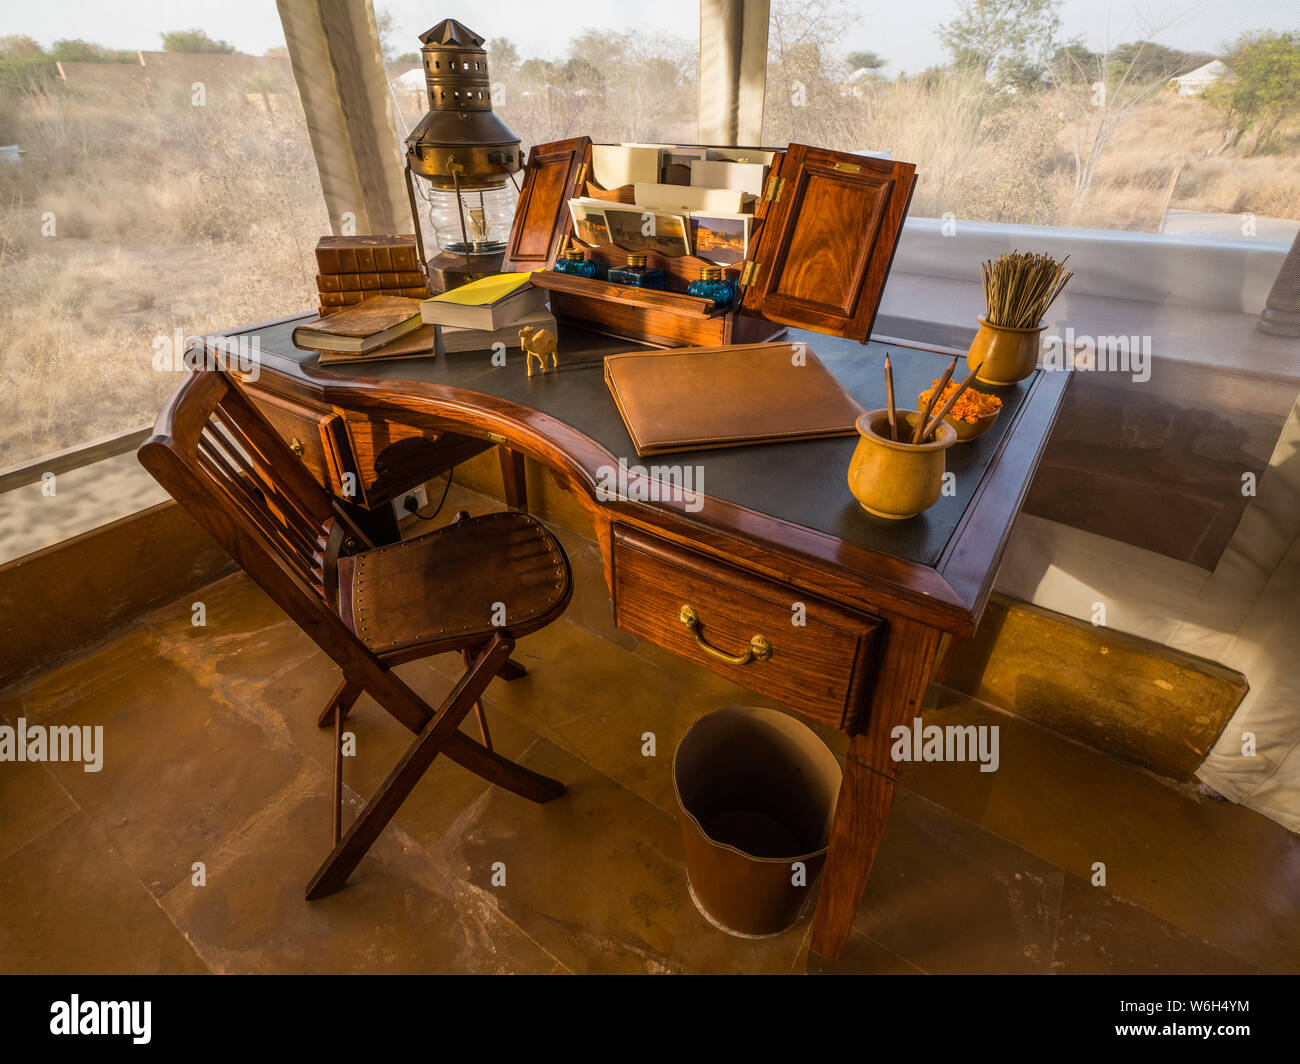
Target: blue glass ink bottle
point(635, 273)
point(575, 262)
point(712, 285)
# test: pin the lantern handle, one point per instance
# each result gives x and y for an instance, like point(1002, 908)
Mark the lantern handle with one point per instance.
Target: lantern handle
point(415, 218)
point(454, 166)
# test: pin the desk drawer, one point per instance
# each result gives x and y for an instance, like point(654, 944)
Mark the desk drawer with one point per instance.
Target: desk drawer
point(317, 439)
point(392, 457)
point(821, 668)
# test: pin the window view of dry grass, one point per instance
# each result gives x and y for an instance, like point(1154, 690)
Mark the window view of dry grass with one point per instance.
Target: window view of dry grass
point(1023, 127)
point(133, 214)
point(137, 210)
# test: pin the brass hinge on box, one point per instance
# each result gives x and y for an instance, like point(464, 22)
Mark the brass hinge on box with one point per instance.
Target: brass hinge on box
point(775, 186)
point(580, 176)
point(748, 273)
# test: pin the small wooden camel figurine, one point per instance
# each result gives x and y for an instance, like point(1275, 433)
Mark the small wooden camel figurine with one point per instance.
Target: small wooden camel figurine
point(538, 345)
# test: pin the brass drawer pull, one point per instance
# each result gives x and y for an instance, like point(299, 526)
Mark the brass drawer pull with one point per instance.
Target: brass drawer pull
point(295, 445)
point(759, 649)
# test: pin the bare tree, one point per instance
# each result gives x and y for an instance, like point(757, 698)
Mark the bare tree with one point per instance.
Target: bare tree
point(803, 75)
point(1098, 95)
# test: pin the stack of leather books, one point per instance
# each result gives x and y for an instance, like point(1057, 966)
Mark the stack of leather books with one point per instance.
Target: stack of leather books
point(353, 268)
point(488, 311)
point(380, 327)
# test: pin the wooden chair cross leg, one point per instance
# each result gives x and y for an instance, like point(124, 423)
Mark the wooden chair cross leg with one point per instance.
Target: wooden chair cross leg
point(343, 700)
point(348, 692)
point(478, 710)
point(406, 774)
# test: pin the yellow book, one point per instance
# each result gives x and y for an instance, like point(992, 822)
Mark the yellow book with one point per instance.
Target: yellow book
point(485, 290)
point(489, 303)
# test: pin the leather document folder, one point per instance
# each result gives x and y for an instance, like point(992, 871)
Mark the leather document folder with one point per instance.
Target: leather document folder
point(698, 398)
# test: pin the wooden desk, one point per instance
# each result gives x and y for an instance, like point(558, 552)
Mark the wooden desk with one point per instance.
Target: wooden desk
point(776, 526)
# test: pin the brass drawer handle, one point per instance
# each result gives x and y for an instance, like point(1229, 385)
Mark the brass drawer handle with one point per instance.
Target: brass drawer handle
point(295, 445)
point(759, 649)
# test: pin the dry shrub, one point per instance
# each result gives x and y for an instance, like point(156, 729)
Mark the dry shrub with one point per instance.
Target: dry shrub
point(1267, 186)
point(1007, 158)
point(977, 155)
point(1168, 133)
point(167, 217)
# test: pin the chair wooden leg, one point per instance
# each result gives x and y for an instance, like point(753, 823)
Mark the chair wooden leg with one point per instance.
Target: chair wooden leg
point(478, 710)
point(336, 826)
point(344, 697)
point(433, 739)
point(482, 725)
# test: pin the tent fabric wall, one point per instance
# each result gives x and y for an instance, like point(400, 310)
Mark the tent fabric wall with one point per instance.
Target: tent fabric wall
point(733, 70)
point(339, 69)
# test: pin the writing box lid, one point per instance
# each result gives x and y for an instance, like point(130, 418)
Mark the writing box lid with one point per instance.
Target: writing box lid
point(552, 176)
point(830, 225)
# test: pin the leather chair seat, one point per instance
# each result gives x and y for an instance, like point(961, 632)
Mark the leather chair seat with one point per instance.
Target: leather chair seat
point(445, 585)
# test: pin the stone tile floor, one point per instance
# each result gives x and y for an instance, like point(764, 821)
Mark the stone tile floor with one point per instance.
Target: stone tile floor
point(212, 756)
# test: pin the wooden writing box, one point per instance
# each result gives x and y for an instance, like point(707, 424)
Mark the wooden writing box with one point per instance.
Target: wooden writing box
point(824, 235)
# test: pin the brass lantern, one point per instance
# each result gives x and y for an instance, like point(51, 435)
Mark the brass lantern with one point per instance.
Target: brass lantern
point(468, 157)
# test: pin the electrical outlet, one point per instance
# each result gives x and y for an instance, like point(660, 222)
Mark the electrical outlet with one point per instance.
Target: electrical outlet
point(418, 494)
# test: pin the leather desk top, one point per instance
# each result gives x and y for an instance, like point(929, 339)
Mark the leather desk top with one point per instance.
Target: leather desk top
point(802, 482)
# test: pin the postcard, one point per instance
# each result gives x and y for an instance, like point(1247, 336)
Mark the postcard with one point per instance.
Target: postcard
point(721, 238)
point(689, 198)
point(748, 177)
point(589, 224)
point(636, 229)
point(616, 165)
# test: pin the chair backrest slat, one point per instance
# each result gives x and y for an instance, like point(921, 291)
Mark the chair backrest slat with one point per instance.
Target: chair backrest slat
point(234, 438)
point(243, 475)
point(237, 480)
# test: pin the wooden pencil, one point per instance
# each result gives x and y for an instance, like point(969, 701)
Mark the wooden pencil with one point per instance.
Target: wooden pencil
point(943, 410)
point(917, 434)
point(889, 400)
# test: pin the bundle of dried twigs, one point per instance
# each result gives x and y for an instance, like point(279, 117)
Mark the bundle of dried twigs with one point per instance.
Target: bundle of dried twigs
point(1020, 286)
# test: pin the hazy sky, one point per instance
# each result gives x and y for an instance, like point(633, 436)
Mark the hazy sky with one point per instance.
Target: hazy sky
point(903, 33)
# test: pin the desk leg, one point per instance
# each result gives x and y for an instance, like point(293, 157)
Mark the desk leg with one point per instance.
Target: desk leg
point(512, 477)
point(862, 809)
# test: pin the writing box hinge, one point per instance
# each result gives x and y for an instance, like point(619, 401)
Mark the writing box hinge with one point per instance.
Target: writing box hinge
point(748, 273)
point(775, 186)
point(580, 176)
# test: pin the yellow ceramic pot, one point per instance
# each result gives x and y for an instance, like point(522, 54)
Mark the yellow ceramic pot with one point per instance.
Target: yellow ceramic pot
point(897, 480)
point(969, 430)
point(1003, 355)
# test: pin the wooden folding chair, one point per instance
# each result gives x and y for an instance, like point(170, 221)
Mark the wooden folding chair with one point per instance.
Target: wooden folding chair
point(368, 608)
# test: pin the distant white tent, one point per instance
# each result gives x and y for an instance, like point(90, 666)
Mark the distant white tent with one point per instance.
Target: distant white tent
point(411, 81)
point(1194, 81)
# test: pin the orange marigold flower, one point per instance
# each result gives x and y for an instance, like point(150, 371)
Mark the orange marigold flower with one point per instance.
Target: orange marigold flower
point(970, 407)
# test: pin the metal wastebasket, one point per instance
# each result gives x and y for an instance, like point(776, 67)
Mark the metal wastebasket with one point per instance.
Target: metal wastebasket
point(756, 795)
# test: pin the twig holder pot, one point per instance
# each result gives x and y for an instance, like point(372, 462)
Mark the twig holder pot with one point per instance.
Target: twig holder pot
point(1004, 355)
point(897, 478)
point(756, 796)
